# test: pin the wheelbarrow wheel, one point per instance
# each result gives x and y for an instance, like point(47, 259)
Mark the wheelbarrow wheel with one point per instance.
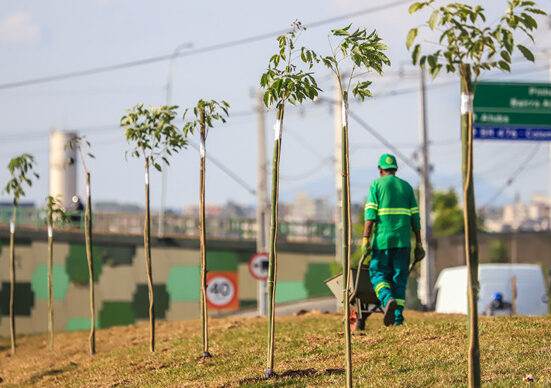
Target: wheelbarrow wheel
point(353, 319)
point(360, 323)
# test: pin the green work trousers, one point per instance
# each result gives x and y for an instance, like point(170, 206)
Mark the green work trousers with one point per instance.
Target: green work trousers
point(389, 275)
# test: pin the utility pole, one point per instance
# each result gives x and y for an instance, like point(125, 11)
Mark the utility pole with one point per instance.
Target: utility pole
point(549, 199)
point(337, 108)
point(427, 266)
point(262, 218)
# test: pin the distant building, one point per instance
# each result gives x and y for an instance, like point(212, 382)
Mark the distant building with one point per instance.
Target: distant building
point(305, 208)
point(518, 216)
point(228, 210)
point(63, 169)
point(116, 207)
point(211, 210)
point(234, 210)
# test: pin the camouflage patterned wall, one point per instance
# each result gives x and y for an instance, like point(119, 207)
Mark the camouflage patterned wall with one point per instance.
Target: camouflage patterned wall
point(121, 287)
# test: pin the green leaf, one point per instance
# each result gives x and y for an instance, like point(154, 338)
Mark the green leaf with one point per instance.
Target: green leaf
point(536, 11)
point(342, 31)
point(504, 66)
point(415, 7)
point(508, 40)
point(415, 54)
point(529, 21)
point(506, 56)
point(527, 53)
point(412, 34)
point(433, 19)
point(435, 70)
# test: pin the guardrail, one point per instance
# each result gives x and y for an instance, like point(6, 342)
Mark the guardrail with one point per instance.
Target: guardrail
point(132, 223)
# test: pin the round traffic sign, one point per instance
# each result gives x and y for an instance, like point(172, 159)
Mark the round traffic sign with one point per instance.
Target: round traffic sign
point(258, 266)
point(220, 291)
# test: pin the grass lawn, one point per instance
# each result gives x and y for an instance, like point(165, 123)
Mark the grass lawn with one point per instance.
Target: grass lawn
point(429, 350)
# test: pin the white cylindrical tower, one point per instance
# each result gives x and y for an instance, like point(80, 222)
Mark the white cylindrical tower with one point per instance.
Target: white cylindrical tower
point(63, 172)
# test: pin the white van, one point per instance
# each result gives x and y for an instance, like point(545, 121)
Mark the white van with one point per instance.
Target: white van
point(451, 288)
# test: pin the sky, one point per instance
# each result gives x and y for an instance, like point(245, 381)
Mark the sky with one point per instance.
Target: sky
point(40, 39)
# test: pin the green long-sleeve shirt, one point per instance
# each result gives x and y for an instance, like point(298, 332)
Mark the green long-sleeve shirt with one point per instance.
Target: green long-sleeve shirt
point(392, 205)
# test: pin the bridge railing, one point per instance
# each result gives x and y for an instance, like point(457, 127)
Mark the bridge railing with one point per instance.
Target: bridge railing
point(132, 223)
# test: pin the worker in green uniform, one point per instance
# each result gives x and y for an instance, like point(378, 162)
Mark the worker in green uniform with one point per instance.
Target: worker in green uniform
point(392, 211)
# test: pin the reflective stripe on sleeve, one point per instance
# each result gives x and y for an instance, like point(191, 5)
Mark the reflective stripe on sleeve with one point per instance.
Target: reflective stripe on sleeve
point(400, 302)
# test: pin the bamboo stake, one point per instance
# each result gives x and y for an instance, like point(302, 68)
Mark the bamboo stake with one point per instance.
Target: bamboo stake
point(272, 264)
point(12, 280)
point(147, 245)
point(514, 295)
point(90, 258)
point(202, 226)
point(346, 237)
point(469, 212)
point(50, 285)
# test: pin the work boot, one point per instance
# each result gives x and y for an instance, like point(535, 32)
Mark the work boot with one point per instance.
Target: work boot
point(388, 317)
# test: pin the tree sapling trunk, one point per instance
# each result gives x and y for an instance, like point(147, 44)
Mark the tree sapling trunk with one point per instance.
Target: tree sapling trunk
point(272, 263)
point(50, 284)
point(469, 211)
point(346, 237)
point(12, 280)
point(90, 259)
point(147, 246)
point(202, 226)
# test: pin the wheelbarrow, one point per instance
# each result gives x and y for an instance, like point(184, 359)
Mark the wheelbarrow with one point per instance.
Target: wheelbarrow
point(363, 299)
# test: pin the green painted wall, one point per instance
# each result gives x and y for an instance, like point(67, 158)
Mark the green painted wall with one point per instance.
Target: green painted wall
point(290, 291)
point(121, 286)
point(116, 314)
point(141, 301)
point(74, 324)
point(76, 263)
point(60, 282)
point(182, 283)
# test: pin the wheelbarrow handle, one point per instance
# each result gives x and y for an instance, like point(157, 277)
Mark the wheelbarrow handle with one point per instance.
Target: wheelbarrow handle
point(413, 266)
point(355, 292)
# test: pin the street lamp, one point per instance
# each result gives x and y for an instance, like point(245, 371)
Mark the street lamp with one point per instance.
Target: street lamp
point(175, 53)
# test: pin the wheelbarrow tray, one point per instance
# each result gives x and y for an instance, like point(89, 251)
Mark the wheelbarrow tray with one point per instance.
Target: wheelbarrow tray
point(365, 292)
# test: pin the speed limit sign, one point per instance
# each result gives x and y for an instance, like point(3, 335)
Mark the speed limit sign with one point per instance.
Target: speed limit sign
point(258, 266)
point(222, 290)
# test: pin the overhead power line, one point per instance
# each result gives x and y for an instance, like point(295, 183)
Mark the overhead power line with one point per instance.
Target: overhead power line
point(201, 50)
point(226, 170)
point(384, 141)
point(377, 135)
point(522, 166)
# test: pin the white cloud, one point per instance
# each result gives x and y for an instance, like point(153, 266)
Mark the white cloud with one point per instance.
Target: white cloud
point(18, 27)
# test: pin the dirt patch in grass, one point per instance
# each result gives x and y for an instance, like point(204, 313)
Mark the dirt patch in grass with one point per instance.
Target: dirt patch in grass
point(430, 350)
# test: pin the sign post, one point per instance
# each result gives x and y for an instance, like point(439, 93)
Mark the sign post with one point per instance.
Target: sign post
point(258, 267)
